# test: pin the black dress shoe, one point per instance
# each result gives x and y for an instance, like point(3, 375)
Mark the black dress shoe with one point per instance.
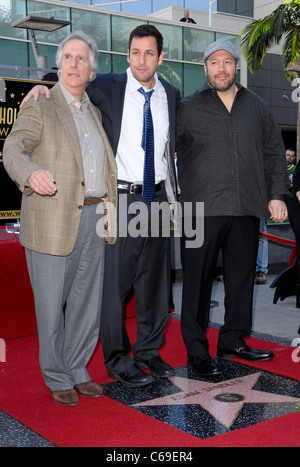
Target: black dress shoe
point(204, 365)
point(245, 352)
point(134, 379)
point(156, 366)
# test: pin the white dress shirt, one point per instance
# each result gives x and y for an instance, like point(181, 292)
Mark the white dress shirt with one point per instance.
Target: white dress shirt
point(91, 144)
point(130, 155)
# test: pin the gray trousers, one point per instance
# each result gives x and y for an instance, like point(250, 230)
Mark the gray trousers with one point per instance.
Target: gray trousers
point(68, 295)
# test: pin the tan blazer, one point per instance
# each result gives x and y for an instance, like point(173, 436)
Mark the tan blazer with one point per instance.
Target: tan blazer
point(45, 136)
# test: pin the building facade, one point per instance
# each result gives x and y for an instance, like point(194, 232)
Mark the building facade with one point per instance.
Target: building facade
point(183, 45)
point(110, 23)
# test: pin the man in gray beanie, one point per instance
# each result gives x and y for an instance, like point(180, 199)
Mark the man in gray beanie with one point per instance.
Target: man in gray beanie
point(221, 45)
point(231, 158)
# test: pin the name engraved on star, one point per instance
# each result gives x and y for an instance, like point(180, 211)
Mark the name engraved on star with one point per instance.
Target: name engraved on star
point(212, 397)
point(186, 395)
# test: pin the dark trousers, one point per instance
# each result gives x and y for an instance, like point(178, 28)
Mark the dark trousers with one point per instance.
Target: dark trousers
point(237, 238)
point(141, 263)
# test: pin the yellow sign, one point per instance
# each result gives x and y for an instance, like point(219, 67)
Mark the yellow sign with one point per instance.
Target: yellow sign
point(10, 214)
point(12, 92)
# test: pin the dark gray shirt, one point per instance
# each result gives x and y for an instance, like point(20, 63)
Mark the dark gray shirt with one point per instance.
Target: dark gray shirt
point(234, 161)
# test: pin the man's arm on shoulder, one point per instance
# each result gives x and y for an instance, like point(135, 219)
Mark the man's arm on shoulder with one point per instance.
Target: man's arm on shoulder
point(35, 92)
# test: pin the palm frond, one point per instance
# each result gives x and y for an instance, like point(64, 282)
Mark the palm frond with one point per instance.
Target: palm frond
point(291, 47)
point(262, 34)
point(252, 45)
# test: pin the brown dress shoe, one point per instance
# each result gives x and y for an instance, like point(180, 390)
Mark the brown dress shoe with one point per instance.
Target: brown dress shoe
point(89, 389)
point(67, 397)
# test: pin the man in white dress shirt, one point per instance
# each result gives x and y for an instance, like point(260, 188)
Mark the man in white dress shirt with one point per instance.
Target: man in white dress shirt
point(142, 262)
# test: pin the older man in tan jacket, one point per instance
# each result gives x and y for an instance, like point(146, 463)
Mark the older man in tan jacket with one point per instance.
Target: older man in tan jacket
point(58, 154)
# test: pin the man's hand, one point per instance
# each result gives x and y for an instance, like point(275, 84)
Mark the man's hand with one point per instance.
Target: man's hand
point(42, 182)
point(35, 93)
point(278, 210)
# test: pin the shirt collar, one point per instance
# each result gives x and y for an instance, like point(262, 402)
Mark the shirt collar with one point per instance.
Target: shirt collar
point(72, 101)
point(134, 85)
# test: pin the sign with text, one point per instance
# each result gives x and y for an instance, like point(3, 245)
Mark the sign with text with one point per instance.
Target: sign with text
point(12, 92)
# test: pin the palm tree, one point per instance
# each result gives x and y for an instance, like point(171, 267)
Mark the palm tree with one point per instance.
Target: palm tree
point(282, 25)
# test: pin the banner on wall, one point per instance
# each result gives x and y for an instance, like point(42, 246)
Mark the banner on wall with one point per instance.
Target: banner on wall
point(12, 92)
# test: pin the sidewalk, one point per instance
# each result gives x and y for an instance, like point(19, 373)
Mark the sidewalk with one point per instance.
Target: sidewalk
point(277, 323)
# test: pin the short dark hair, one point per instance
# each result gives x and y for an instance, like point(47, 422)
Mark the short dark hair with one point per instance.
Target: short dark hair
point(146, 30)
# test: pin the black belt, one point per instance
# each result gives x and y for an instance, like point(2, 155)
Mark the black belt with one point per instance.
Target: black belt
point(135, 188)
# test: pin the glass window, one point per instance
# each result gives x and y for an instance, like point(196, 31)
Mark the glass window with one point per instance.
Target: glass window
point(57, 12)
point(104, 63)
point(14, 53)
point(172, 40)
point(107, 4)
point(138, 7)
point(119, 63)
point(171, 72)
point(10, 12)
point(95, 25)
point(83, 2)
point(227, 6)
point(195, 43)
point(236, 7)
point(244, 8)
point(121, 29)
point(193, 78)
point(48, 50)
point(229, 37)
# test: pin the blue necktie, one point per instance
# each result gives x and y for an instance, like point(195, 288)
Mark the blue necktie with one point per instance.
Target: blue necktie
point(148, 146)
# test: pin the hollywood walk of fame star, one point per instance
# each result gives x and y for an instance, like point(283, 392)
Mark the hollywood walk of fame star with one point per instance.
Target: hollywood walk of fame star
point(222, 400)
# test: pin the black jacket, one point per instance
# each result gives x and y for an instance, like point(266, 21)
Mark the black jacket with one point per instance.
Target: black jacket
point(107, 92)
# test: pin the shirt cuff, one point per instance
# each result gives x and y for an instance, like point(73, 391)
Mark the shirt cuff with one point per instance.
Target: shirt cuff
point(277, 197)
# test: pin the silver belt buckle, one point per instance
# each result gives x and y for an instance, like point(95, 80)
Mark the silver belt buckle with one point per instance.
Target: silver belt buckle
point(130, 188)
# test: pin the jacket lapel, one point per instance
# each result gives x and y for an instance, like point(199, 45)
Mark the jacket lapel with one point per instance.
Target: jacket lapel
point(118, 97)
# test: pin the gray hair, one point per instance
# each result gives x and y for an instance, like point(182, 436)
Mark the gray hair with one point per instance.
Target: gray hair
point(84, 38)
